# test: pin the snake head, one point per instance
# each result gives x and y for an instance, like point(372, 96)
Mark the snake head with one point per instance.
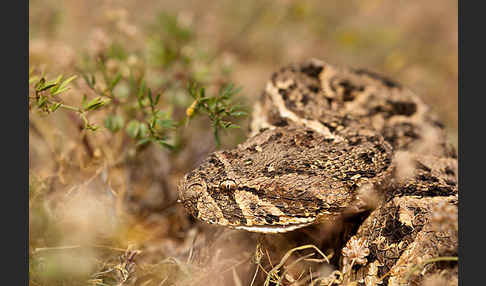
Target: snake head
point(283, 179)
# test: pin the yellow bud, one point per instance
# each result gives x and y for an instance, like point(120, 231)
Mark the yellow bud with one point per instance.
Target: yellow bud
point(190, 110)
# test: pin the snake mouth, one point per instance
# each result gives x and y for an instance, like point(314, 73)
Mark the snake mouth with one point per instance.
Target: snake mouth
point(273, 228)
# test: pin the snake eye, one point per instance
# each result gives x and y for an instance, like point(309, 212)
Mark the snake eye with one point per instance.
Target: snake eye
point(228, 184)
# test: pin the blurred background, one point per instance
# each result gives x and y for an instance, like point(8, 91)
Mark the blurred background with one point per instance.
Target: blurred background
point(100, 200)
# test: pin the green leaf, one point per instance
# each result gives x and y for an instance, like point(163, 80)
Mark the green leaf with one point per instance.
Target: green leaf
point(143, 141)
point(149, 95)
point(44, 86)
point(115, 81)
point(87, 80)
point(225, 124)
point(140, 94)
point(204, 99)
point(40, 83)
point(143, 131)
point(94, 104)
point(56, 81)
point(93, 80)
point(141, 90)
point(55, 106)
point(90, 82)
point(166, 123)
point(238, 113)
point(91, 127)
point(165, 144)
point(59, 90)
point(133, 128)
point(63, 86)
point(42, 101)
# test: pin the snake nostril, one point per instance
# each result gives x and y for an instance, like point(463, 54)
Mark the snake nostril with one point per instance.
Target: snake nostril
point(193, 192)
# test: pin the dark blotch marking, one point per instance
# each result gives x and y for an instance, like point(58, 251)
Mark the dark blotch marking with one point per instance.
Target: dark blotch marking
point(412, 134)
point(252, 149)
point(427, 191)
point(269, 218)
point(259, 193)
point(217, 163)
point(190, 174)
point(228, 205)
point(387, 162)
point(438, 124)
point(333, 208)
point(203, 176)
point(427, 178)
point(292, 203)
point(306, 140)
point(367, 157)
point(274, 137)
point(329, 140)
point(309, 135)
point(450, 171)
point(408, 190)
point(394, 230)
point(450, 183)
point(380, 148)
point(312, 70)
point(331, 128)
point(353, 187)
point(391, 133)
point(231, 155)
point(363, 173)
point(434, 191)
point(348, 90)
point(403, 107)
point(421, 166)
point(305, 99)
point(329, 100)
point(288, 169)
point(281, 122)
point(373, 138)
point(290, 104)
point(284, 93)
point(376, 110)
point(313, 88)
point(193, 217)
point(386, 81)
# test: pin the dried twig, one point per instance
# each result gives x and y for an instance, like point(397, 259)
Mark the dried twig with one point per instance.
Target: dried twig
point(284, 259)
